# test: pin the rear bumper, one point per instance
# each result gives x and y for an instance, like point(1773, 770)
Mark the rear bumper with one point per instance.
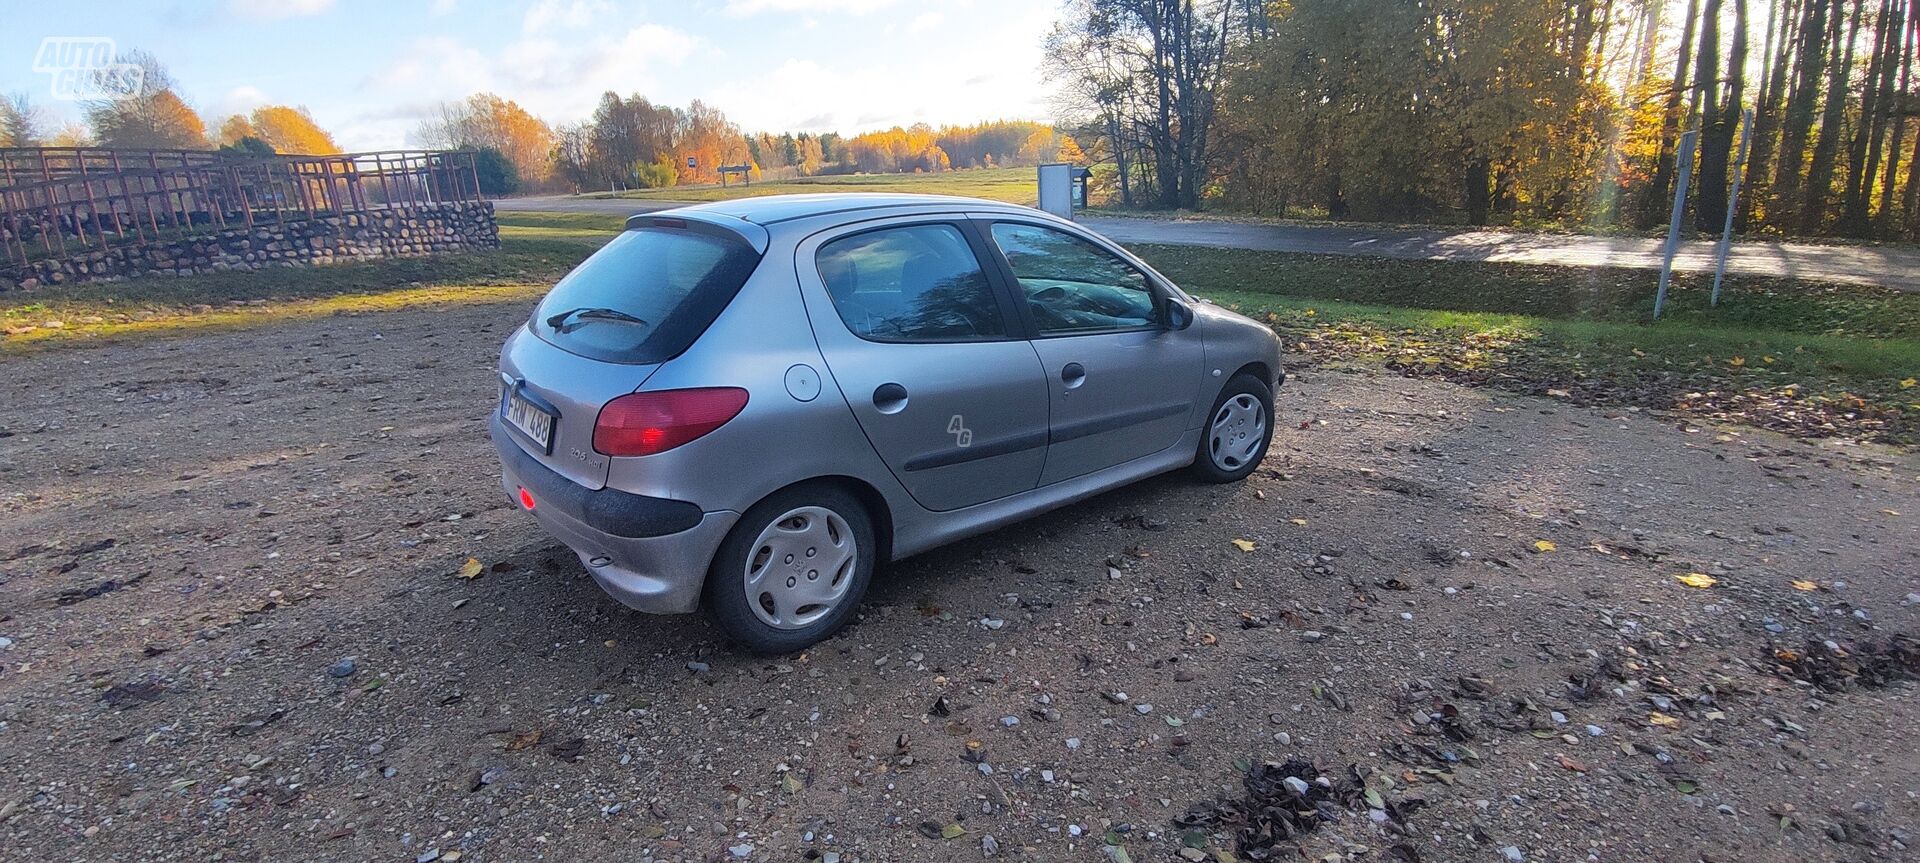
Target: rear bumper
point(649, 553)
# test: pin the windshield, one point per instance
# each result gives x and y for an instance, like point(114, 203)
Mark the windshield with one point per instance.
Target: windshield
point(645, 297)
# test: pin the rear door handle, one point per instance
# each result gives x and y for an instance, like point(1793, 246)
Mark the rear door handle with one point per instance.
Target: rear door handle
point(889, 398)
point(1073, 374)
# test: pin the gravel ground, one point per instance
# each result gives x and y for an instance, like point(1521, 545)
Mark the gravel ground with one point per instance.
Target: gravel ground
point(232, 627)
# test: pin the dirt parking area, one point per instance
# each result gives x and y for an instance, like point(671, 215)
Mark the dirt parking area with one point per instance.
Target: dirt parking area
point(233, 627)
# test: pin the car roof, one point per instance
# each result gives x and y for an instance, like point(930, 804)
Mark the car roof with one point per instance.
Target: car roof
point(769, 209)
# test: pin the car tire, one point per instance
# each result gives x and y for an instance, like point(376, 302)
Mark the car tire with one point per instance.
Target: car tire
point(779, 584)
point(1235, 434)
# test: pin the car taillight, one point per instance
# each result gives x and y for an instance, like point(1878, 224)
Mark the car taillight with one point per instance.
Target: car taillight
point(654, 422)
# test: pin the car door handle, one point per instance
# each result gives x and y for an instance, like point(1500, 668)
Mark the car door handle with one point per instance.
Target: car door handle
point(889, 398)
point(1073, 374)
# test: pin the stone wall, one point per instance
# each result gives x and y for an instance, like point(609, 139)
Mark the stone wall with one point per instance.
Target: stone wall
point(428, 229)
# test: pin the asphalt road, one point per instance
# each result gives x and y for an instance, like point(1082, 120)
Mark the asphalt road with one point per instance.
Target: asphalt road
point(1895, 267)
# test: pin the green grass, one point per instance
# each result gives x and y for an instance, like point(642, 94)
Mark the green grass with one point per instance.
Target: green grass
point(1809, 359)
point(1013, 185)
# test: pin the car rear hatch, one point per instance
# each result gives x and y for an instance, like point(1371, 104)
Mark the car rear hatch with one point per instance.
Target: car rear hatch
point(606, 327)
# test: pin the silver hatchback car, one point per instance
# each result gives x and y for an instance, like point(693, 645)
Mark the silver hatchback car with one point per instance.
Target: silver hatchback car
point(748, 405)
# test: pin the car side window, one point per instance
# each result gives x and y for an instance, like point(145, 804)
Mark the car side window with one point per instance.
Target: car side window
point(1072, 285)
point(914, 283)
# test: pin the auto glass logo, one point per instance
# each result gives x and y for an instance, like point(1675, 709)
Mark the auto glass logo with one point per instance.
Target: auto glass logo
point(88, 68)
point(961, 434)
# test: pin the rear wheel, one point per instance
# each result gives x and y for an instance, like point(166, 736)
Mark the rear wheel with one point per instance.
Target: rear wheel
point(792, 570)
point(1234, 440)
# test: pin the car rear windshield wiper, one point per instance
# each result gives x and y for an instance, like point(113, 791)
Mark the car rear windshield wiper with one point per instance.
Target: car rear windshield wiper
point(571, 319)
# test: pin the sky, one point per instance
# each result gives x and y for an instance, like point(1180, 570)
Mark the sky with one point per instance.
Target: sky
point(369, 70)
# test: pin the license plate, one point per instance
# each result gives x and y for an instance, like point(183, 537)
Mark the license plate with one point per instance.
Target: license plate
point(532, 420)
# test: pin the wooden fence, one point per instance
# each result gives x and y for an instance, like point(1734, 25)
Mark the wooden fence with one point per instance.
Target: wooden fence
point(59, 202)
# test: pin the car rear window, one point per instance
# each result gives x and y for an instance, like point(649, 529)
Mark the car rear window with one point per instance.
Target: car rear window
point(646, 296)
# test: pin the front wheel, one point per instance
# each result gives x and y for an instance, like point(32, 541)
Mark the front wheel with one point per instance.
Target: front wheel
point(1235, 437)
point(792, 570)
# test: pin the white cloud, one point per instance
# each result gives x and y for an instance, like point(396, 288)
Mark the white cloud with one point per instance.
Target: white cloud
point(562, 15)
point(443, 7)
point(559, 80)
point(270, 9)
point(925, 21)
point(749, 8)
point(239, 100)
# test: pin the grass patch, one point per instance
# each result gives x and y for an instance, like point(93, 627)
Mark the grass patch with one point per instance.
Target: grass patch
point(532, 256)
point(1012, 185)
point(1612, 294)
point(1809, 359)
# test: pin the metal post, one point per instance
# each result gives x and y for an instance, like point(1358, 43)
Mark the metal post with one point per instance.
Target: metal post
point(1733, 205)
point(1683, 163)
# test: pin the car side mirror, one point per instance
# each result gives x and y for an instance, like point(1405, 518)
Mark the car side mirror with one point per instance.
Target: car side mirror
point(1179, 317)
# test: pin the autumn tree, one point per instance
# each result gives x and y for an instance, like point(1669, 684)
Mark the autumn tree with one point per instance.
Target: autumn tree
point(284, 129)
point(21, 122)
point(154, 118)
point(485, 121)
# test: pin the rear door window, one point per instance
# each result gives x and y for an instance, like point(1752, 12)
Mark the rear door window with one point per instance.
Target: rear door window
point(914, 283)
point(646, 296)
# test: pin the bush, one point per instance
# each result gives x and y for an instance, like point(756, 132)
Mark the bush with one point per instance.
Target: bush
point(496, 174)
point(656, 175)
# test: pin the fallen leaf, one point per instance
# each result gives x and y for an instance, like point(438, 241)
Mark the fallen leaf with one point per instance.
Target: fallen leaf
point(1685, 787)
point(1572, 764)
point(1908, 383)
point(1663, 720)
point(1244, 544)
point(1805, 585)
point(1737, 362)
point(952, 831)
point(791, 784)
point(524, 740)
point(471, 569)
point(1891, 513)
point(1544, 546)
point(1697, 579)
point(1299, 521)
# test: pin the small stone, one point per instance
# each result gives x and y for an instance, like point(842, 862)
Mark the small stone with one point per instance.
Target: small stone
point(1296, 784)
point(1513, 854)
point(741, 850)
point(1595, 731)
point(992, 622)
point(1283, 738)
point(702, 668)
point(989, 846)
point(1116, 697)
point(1558, 717)
point(1073, 743)
point(1723, 809)
point(1913, 599)
point(1046, 776)
point(376, 748)
point(1143, 709)
point(343, 668)
point(1406, 615)
point(1312, 635)
point(427, 856)
point(1009, 721)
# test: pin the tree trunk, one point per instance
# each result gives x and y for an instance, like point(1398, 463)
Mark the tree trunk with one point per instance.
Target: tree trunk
point(1716, 155)
point(1899, 124)
point(1863, 153)
point(1826, 148)
point(1479, 195)
point(1660, 191)
point(1766, 115)
point(1797, 126)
